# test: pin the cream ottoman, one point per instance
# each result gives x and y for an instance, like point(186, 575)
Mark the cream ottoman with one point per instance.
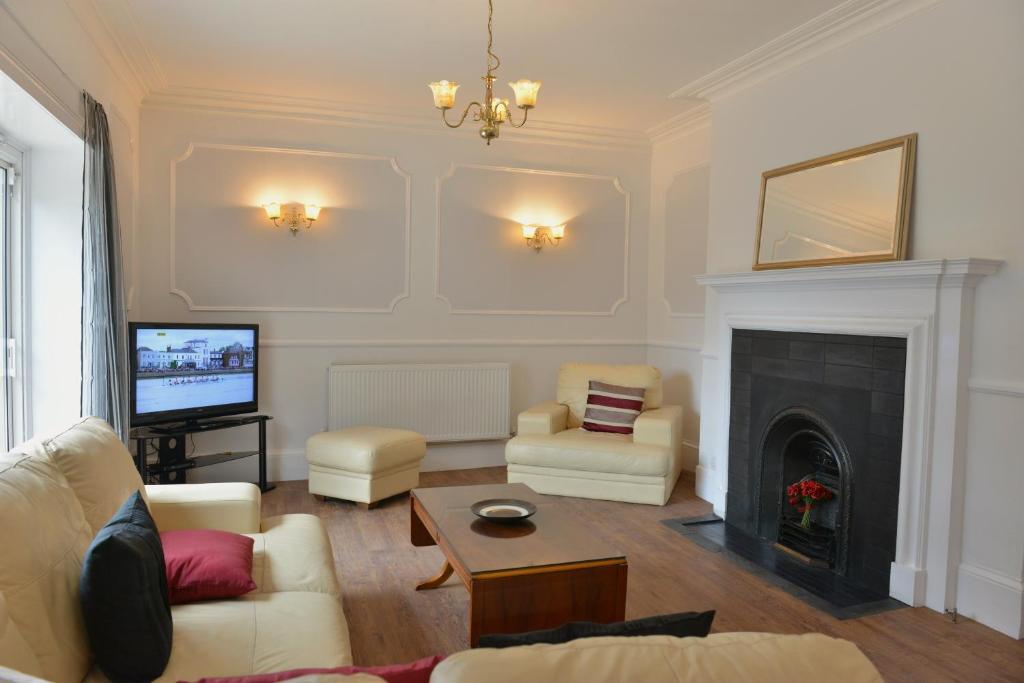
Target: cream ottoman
point(364, 464)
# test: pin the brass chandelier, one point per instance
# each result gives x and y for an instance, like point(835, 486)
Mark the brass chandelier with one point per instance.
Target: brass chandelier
point(495, 110)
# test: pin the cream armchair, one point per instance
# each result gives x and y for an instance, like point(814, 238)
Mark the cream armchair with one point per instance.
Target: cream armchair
point(552, 454)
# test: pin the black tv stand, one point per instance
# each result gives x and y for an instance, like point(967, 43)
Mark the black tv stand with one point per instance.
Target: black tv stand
point(172, 462)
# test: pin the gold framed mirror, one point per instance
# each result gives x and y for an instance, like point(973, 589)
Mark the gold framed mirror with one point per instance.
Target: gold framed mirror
point(849, 207)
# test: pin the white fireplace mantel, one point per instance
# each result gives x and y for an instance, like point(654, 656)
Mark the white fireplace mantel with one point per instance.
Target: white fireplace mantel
point(929, 302)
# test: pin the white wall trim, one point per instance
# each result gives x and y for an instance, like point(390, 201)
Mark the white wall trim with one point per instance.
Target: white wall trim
point(192, 306)
point(845, 23)
point(329, 112)
point(532, 171)
point(677, 345)
point(992, 595)
point(996, 387)
point(406, 342)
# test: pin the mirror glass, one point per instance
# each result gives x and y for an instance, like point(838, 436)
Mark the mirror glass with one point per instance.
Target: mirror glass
point(836, 209)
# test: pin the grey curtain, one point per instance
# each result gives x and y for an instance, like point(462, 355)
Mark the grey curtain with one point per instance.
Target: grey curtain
point(104, 322)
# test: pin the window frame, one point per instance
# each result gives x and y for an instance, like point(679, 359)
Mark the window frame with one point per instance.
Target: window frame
point(14, 306)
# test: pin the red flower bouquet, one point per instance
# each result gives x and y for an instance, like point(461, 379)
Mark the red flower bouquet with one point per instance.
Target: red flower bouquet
point(804, 494)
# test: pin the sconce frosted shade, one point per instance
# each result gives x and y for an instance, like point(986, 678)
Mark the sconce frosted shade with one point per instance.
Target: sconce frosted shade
point(273, 210)
point(444, 93)
point(558, 231)
point(312, 212)
point(529, 231)
point(526, 93)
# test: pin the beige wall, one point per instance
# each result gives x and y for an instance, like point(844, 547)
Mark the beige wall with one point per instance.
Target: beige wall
point(944, 73)
point(453, 284)
point(680, 183)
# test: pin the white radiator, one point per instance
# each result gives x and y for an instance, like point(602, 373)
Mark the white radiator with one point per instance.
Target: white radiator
point(450, 402)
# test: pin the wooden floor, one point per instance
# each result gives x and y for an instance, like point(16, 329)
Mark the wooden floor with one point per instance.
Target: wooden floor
point(390, 622)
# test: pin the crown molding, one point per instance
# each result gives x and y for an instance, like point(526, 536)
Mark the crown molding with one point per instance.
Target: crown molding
point(123, 31)
point(690, 121)
point(106, 39)
point(845, 23)
point(330, 112)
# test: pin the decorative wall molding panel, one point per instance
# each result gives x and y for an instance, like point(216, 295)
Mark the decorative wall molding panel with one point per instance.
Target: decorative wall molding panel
point(365, 210)
point(685, 248)
point(493, 261)
point(333, 113)
point(843, 24)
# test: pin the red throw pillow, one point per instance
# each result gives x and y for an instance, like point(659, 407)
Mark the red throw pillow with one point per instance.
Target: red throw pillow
point(413, 672)
point(206, 564)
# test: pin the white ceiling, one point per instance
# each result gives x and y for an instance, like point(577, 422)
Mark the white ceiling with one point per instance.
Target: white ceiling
point(609, 63)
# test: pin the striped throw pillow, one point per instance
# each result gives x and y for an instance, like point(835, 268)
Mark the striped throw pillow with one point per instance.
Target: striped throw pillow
point(611, 408)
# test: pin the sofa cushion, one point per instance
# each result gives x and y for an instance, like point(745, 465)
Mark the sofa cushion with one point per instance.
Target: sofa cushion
point(762, 657)
point(256, 633)
point(577, 449)
point(43, 538)
point(207, 564)
point(293, 554)
point(681, 625)
point(14, 651)
point(228, 506)
point(574, 383)
point(123, 592)
point(97, 465)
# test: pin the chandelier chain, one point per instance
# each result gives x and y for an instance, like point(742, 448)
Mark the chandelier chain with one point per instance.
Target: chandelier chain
point(490, 41)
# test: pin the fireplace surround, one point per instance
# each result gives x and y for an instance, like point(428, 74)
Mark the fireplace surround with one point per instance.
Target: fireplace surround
point(927, 303)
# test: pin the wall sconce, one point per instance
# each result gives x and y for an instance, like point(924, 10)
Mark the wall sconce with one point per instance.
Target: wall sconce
point(537, 236)
point(294, 217)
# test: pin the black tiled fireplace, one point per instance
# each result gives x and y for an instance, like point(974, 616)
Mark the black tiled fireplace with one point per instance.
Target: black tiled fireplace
point(824, 407)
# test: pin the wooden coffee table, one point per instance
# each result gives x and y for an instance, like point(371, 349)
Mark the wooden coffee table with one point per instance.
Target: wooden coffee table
point(535, 574)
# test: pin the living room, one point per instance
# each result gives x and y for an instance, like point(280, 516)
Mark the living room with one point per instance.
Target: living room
point(252, 248)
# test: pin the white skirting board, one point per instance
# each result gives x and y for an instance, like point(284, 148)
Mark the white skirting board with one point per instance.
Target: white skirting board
point(996, 596)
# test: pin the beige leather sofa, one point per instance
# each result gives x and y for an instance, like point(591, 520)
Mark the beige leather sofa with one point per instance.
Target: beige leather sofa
point(55, 494)
point(552, 454)
point(725, 657)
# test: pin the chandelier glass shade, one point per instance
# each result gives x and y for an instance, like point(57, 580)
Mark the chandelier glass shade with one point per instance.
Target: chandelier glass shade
point(494, 111)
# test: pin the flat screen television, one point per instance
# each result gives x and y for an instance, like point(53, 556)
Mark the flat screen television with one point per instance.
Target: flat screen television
point(188, 371)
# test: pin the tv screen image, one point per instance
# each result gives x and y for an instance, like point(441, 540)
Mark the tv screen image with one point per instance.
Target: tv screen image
point(185, 372)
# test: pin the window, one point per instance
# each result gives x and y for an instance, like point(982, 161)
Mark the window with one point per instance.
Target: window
point(12, 411)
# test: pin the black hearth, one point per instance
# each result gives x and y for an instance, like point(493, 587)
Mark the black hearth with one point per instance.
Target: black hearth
point(828, 408)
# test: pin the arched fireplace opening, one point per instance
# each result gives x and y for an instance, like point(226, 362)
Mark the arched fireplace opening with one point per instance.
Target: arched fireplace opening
point(798, 445)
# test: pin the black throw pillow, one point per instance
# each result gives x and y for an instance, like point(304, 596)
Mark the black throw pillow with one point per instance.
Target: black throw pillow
point(123, 591)
point(682, 625)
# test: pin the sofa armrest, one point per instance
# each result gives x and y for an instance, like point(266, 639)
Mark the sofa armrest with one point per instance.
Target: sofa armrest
point(545, 418)
point(231, 506)
point(660, 427)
